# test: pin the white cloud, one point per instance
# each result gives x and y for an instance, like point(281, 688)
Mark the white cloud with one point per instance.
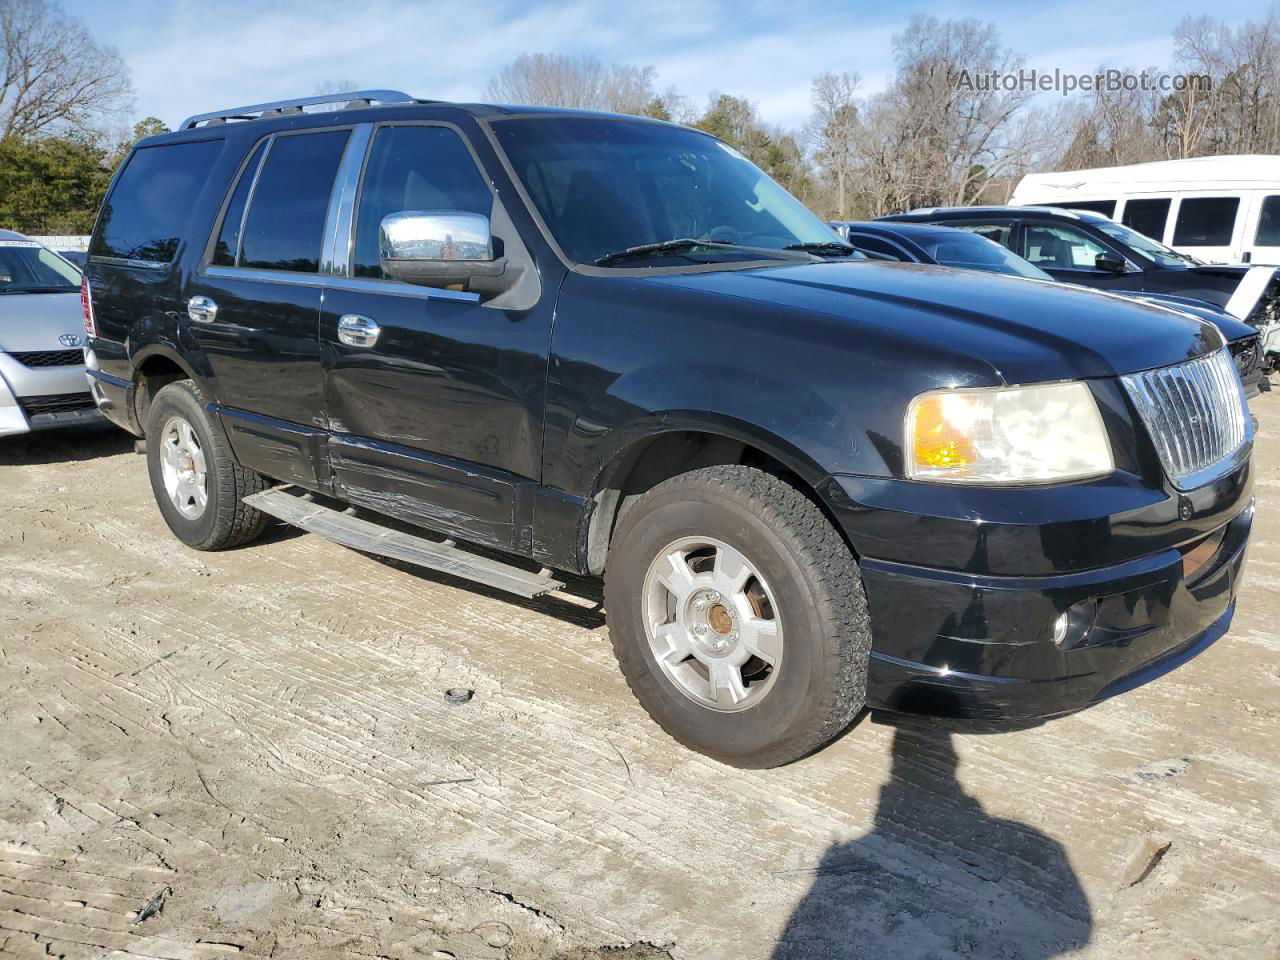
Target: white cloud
point(187, 58)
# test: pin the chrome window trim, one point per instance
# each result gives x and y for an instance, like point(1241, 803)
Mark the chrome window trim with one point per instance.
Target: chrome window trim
point(125, 262)
point(339, 224)
point(354, 284)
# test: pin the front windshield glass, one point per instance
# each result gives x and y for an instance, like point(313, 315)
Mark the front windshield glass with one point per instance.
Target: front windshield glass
point(968, 251)
point(605, 185)
point(1151, 249)
point(27, 267)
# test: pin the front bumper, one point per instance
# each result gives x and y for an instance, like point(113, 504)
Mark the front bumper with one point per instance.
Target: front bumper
point(977, 643)
point(43, 398)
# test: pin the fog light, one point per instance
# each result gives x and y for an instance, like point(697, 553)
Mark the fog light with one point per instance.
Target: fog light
point(1073, 624)
point(1060, 627)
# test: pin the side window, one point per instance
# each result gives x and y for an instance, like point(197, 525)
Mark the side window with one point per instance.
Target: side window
point(414, 168)
point(1147, 215)
point(1057, 247)
point(878, 248)
point(1001, 233)
point(1205, 221)
point(285, 226)
point(1269, 223)
point(147, 213)
point(227, 248)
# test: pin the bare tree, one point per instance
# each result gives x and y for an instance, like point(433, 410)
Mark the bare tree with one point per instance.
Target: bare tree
point(336, 85)
point(53, 75)
point(937, 135)
point(833, 131)
point(1240, 112)
point(560, 80)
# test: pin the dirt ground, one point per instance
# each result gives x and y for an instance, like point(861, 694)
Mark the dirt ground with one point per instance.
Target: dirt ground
point(205, 756)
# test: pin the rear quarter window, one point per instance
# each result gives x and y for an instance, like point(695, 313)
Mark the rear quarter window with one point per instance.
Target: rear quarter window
point(146, 214)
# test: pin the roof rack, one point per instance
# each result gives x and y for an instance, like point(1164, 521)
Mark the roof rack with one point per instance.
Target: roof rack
point(258, 111)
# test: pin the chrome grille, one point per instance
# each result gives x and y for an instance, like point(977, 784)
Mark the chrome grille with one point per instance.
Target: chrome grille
point(1194, 411)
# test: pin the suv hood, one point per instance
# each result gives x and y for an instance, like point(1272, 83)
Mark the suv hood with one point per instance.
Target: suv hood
point(34, 321)
point(1029, 331)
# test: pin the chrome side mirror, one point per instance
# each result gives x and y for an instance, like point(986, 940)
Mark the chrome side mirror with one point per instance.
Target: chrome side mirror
point(438, 248)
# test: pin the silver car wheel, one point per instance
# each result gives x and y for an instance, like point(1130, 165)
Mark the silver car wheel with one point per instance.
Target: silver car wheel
point(183, 469)
point(712, 624)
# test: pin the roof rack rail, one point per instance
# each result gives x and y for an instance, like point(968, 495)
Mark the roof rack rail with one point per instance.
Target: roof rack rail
point(257, 111)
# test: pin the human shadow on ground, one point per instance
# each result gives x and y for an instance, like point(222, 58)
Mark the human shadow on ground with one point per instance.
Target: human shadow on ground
point(938, 876)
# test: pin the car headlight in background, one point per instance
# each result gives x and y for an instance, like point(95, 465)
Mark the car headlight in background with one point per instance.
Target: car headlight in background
point(1005, 435)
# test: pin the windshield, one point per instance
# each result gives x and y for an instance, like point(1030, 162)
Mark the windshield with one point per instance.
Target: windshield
point(968, 251)
point(27, 267)
point(1151, 249)
point(605, 185)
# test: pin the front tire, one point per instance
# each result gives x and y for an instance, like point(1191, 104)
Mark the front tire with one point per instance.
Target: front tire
point(197, 483)
point(737, 616)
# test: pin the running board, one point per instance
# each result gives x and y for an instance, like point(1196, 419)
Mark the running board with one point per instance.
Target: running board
point(369, 537)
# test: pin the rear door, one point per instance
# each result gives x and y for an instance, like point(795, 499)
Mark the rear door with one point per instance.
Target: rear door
point(254, 305)
point(437, 418)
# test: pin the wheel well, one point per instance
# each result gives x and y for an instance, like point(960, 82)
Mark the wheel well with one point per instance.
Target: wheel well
point(155, 373)
point(647, 463)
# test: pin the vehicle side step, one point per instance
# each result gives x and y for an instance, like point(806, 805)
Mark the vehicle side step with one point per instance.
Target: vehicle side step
point(369, 537)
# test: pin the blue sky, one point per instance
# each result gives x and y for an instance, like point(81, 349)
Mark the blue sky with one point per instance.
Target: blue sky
point(186, 59)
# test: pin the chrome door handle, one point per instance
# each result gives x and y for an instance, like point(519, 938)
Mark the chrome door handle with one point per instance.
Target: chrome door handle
point(202, 309)
point(357, 331)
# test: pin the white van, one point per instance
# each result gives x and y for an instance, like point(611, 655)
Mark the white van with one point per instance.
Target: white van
point(1217, 209)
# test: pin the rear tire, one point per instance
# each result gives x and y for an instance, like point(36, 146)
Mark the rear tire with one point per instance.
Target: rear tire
point(197, 483)
point(737, 616)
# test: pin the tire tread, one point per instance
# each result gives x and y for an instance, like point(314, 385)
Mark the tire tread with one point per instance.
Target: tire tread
point(826, 560)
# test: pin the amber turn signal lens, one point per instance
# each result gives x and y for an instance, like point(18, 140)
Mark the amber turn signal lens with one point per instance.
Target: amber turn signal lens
point(943, 439)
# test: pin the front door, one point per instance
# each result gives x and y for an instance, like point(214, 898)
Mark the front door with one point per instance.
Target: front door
point(436, 416)
point(254, 305)
point(1069, 254)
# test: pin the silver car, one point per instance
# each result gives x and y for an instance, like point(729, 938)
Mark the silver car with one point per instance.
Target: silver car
point(42, 378)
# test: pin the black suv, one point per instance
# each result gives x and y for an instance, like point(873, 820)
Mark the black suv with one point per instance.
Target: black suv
point(612, 346)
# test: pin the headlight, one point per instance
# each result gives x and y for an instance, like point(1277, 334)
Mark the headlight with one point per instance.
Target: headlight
point(1036, 434)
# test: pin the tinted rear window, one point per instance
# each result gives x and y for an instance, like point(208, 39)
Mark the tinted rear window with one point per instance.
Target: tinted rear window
point(1147, 215)
point(147, 213)
point(227, 248)
point(1206, 221)
point(285, 226)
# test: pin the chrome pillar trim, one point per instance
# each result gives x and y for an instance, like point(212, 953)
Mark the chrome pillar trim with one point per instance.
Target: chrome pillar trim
point(339, 223)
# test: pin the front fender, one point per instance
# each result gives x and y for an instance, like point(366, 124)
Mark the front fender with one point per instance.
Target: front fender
point(788, 422)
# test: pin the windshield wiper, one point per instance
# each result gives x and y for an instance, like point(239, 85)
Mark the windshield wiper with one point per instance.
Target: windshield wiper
point(684, 244)
point(832, 248)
